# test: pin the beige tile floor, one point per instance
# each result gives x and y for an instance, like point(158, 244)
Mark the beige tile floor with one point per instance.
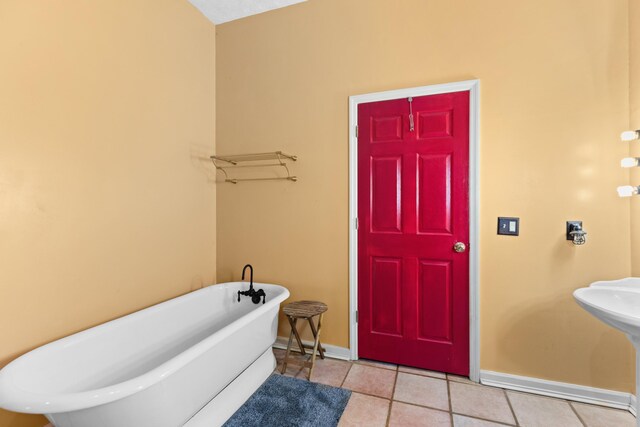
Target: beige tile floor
point(389, 395)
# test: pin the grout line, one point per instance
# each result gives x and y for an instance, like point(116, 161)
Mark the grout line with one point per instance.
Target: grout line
point(421, 406)
point(449, 400)
point(423, 375)
point(372, 395)
point(463, 380)
point(451, 412)
point(577, 414)
point(376, 364)
point(500, 423)
point(449, 396)
point(513, 412)
point(347, 374)
point(395, 383)
point(393, 392)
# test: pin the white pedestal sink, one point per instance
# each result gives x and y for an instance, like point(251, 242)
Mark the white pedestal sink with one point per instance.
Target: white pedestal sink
point(616, 303)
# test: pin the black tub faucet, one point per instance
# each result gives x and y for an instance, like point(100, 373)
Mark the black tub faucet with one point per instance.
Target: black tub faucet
point(255, 295)
point(251, 271)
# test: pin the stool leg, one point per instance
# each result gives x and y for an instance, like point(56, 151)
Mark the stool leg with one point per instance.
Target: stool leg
point(313, 330)
point(315, 346)
point(286, 355)
point(293, 323)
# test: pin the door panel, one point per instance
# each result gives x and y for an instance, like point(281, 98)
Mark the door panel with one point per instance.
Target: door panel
point(434, 193)
point(386, 209)
point(435, 124)
point(386, 276)
point(413, 205)
point(434, 299)
point(386, 128)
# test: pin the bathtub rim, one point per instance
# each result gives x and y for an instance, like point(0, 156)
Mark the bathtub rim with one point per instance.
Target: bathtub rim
point(15, 398)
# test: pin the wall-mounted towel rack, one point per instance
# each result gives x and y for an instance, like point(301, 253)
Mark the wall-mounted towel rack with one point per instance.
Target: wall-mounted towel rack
point(254, 160)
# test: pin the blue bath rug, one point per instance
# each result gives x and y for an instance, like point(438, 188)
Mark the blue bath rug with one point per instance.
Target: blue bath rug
point(287, 402)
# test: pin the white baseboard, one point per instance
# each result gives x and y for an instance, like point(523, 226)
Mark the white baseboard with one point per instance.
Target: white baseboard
point(573, 392)
point(332, 351)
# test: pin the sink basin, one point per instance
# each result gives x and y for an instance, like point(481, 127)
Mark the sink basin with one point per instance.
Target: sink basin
point(616, 303)
point(616, 306)
point(630, 283)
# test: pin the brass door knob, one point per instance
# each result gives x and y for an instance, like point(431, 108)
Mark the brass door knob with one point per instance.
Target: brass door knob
point(459, 247)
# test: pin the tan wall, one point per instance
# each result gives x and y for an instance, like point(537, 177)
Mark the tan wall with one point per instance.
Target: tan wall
point(634, 123)
point(106, 108)
point(554, 98)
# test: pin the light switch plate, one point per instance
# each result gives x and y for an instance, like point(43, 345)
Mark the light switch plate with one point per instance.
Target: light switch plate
point(508, 226)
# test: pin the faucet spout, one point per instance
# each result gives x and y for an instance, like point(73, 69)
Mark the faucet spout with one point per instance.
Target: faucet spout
point(251, 272)
point(252, 293)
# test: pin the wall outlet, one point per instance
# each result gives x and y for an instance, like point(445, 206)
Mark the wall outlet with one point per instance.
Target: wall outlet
point(508, 226)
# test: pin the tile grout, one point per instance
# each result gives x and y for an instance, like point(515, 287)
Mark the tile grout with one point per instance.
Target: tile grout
point(451, 411)
point(475, 417)
point(346, 375)
point(577, 414)
point(513, 412)
point(500, 423)
point(450, 404)
point(393, 392)
point(421, 406)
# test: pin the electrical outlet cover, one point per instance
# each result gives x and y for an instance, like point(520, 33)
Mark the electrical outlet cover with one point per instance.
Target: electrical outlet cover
point(508, 226)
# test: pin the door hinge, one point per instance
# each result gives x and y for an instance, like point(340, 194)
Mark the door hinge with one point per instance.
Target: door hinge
point(356, 131)
point(356, 316)
point(356, 223)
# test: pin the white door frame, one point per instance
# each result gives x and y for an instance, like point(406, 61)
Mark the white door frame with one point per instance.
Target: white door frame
point(473, 86)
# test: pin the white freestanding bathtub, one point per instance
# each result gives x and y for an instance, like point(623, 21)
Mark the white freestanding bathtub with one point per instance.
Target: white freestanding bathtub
point(192, 361)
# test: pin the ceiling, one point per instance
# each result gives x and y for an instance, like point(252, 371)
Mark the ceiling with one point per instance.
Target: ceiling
point(221, 11)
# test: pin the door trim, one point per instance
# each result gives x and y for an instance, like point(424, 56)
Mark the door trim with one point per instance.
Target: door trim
point(473, 86)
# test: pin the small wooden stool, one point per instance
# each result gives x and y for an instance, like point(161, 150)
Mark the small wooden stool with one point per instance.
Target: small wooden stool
point(304, 310)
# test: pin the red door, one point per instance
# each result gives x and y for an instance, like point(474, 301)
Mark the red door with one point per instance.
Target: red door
point(413, 207)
